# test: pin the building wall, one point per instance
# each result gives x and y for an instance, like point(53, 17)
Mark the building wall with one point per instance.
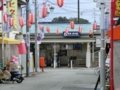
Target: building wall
point(47, 51)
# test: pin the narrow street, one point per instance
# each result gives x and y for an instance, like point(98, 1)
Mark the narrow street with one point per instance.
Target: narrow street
point(57, 79)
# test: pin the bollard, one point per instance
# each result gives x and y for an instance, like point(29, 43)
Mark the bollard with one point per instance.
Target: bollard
point(42, 63)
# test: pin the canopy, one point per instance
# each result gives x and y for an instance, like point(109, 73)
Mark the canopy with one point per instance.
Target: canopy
point(9, 41)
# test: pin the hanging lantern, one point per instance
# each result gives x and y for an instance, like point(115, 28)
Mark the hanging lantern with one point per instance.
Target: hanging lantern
point(11, 21)
point(95, 26)
point(57, 31)
point(29, 24)
point(5, 18)
point(48, 29)
point(90, 32)
point(44, 12)
point(21, 21)
point(66, 30)
point(60, 3)
point(72, 24)
point(31, 18)
point(40, 27)
point(79, 29)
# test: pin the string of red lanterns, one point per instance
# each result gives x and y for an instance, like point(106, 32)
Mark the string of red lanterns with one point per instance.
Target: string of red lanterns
point(44, 11)
point(31, 18)
point(90, 32)
point(72, 24)
point(21, 21)
point(5, 18)
point(29, 24)
point(79, 29)
point(48, 29)
point(95, 26)
point(60, 3)
point(66, 30)
point(57, 31)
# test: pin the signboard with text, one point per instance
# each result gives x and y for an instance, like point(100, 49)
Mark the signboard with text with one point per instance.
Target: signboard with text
point(116, 8)
point(12, 10)
point(72, 34)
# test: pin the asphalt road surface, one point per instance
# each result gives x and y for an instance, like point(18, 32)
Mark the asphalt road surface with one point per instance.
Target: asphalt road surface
point(56, 79)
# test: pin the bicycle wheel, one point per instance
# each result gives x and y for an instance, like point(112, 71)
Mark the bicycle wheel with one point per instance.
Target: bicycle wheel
point(97, 71)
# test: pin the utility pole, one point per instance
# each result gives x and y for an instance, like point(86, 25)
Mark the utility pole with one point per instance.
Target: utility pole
point(94, 15)
point(78, 11)
point(102, 50)
point(27, 40)
point(36, 45)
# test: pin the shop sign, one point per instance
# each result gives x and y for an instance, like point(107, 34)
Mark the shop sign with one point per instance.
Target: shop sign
point(72, 34)
point(12, 10)
point(116, 8)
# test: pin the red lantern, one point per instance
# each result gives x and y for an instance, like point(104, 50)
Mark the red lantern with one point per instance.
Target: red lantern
point(11, 21)
point(21, 21)
point(31, 18)
point(90, 32)
point(48, 29)
point(60, 3)
point(57, 31)
point(95, 26)
point(72, 24)
point(40, 27)
point(5, 18)
point(29, 24)
point(44, 12)
point(66, 30)
point(79, 29)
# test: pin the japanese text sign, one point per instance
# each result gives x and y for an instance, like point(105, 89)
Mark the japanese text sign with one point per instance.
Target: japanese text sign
point(116, 7)
point(12, 10)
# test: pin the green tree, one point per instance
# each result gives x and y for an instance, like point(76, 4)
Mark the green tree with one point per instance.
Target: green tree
point(64, 19)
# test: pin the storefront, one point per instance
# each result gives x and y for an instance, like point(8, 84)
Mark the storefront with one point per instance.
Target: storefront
point(59, 50)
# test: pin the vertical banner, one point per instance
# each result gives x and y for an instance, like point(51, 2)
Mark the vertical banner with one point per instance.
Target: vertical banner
point(12, 10)
point(28, 39)
point(7, 26)
point(106, 23)
point(116, 7)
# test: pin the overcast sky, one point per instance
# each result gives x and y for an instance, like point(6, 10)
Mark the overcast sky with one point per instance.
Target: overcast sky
point(69, 9)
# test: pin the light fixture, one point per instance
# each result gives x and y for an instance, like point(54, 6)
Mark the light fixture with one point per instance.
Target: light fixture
point(51, 9)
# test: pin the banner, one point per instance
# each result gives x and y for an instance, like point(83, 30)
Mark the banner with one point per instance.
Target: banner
point(116, 8)
point(7, 26)
point(107, 24)
point(12, 10)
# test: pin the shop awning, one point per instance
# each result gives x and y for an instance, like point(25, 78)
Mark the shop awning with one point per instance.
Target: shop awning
point(9, 41)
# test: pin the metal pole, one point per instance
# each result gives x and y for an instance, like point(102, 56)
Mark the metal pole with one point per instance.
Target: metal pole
point(78, 11)
point(111, 53)
point(2, 40)
point(28, 47)
point(36, 33)
point(102, 61)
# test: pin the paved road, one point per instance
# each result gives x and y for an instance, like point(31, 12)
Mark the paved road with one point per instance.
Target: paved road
point(57, 79)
